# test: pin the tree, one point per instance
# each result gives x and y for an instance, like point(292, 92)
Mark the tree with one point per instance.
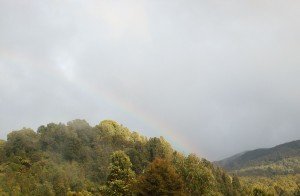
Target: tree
point(159, 147)
point(22, 143)
point(83, 130)
point(115, 134)
point(160, 178)
point(198, 178)
point(259, 192)
point(2, 150)
point(236, 185)
point(297, 191)
point(121, 176)
point(279, 191)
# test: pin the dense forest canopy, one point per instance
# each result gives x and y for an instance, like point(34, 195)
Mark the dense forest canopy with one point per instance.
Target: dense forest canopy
point(109, 159)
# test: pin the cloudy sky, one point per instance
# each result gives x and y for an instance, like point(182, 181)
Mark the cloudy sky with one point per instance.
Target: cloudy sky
point(214, 77)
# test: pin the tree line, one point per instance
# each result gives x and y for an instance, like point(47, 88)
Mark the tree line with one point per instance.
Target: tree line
point(107, 159)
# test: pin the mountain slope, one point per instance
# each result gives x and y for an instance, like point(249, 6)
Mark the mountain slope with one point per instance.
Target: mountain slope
point(108, 159)
point(281, 159)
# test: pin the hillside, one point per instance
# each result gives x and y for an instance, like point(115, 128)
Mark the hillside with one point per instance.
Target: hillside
point(108, 159)
point(281, 159)
point(271, 168)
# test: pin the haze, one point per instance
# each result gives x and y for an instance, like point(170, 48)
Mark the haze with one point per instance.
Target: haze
point(213, 77)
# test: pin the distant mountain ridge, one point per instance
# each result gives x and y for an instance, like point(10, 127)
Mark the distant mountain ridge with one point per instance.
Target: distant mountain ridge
point(281, 159)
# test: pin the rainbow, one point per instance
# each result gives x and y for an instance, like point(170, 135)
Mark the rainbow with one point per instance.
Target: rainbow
point(12, 58)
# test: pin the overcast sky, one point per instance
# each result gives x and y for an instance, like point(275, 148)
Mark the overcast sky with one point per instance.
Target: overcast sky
point(214, 77)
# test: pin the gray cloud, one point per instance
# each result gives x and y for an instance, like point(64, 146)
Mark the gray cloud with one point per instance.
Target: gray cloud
point(214, 77)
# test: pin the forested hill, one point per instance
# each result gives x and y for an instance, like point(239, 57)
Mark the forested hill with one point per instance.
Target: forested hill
point(107, 159)
point(281, 159)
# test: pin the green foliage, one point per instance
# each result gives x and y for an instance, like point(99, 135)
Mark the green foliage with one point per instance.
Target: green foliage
point(199, 178)
point(276, 185)
point(279, 160)
point(160, 178)
point(272, 171)
point(158, 147)
point(77, 159)
point(259, 192)
point(121, 177)
point(236, 183)
point(297, 191)
point(21, 143)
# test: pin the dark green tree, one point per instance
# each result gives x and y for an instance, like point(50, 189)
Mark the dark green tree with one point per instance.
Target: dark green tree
point(159, 147)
